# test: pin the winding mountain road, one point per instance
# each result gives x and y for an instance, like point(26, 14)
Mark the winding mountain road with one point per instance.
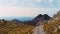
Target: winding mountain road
point(38, 30)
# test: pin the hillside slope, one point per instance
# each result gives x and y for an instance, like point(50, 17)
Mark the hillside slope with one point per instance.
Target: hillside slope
point(53, 25)
point(10, 27)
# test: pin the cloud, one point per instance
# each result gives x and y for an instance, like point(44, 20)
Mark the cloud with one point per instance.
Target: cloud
point(30, 3)
point(26, 12)
point(51, 1)
point(28, 7)
point(7, 3)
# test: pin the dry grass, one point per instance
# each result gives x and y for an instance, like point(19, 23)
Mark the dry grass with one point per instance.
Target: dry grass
point(15, 28)
point(52, 27)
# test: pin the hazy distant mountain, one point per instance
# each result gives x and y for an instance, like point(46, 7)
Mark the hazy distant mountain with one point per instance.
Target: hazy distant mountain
point(28, 20)
point(18, 18)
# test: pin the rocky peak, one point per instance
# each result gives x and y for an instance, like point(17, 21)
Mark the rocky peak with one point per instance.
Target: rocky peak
point(38, 19)
point(42, 17)
point(45, 17)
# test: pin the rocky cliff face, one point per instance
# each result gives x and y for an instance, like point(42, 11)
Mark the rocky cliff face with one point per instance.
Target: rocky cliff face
point(40, 18)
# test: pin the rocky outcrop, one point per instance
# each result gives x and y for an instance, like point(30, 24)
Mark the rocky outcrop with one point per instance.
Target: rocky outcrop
point(40, 18)
point(57, 15)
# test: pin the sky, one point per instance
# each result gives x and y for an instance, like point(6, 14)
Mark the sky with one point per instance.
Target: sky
point(28, 8)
